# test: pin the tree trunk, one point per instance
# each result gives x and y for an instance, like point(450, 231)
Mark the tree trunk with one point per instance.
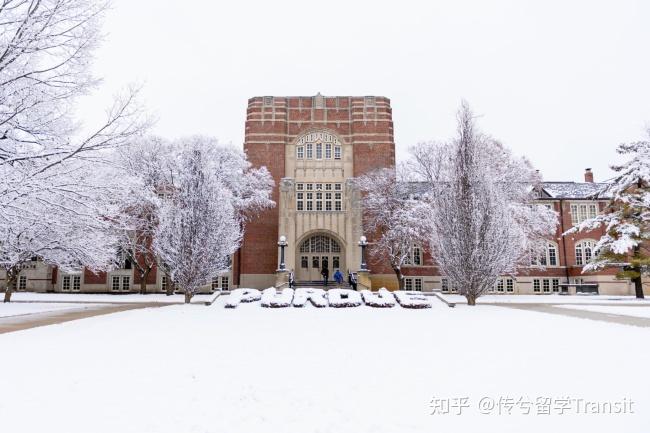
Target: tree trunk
point(188, 297)
point(143, 281)
point(471, 299)
point(638, 287)
point(170, 287)
point(11, 284)
point(400, 278)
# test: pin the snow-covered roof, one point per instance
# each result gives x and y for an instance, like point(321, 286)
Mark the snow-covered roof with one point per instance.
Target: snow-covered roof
point(576, 190)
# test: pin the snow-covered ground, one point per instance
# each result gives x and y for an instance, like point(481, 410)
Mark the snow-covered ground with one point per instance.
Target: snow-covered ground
point(252, 369)
point(622, 310)
point(550, 299)
point(18, 309)
point(107, 298)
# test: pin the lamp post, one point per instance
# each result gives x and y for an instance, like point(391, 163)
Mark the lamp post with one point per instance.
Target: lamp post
point(363, 243)
point(282, 244)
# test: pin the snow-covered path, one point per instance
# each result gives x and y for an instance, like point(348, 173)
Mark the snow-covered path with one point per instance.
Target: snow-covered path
point(251, 369)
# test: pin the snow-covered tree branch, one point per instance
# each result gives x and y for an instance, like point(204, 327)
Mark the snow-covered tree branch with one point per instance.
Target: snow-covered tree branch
point(482, 219)
point(626, 219)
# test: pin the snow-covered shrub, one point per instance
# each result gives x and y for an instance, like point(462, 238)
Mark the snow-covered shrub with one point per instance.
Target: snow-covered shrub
point(242, 295)
point(382, 299)
point(272, 299)
point(317, 297)
point(341, 298)
point(412, 299)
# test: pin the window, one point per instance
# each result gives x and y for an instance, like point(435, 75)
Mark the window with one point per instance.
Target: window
point(315, 262)
point(337, 152)
point(300, 152)
point(548, 258)
point(336, 262)
point(215, 284)
point(447, 287)
point(319, 151)
point(320, 143)
point(304, 262)
point(328, 150)
point(71, 282)
point(418, 284)
point(546, 284)
point(500, 285)
point(510, 285)
point(556, 285)
point(115, 283)
point(310, 197)
point(163, 283)
point(310, 150)
point(584, 252)
point(536, 285)
point(581, 212)
point(225, 283)
point(414, 256)
point(408, 284)
point(320, 244)
point(22, 282)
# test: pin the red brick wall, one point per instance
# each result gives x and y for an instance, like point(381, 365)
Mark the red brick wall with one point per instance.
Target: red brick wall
point(270, 127)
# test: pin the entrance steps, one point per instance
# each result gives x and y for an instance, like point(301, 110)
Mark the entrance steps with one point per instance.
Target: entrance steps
point(319, 285)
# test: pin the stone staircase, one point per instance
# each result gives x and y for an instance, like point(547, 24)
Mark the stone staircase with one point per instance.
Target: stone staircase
point(319, 285)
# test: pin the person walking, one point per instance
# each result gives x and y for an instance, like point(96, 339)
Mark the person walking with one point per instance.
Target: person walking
point(338, 277)
point(352, 281)
point(326, 275)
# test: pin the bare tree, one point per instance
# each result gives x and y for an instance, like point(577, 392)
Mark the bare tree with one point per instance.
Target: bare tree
point(201, 222)
point(390, 217)
point(50, 171)
point(482, 217)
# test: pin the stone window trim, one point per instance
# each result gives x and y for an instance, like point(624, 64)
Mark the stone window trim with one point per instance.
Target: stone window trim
point(582, 211)
point(584, 251)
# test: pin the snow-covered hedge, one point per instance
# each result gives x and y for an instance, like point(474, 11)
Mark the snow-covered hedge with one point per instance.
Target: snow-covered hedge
point(317, 297)
point(341, 298)
point(242, 295)
point(272, 299)
point(382, 299)
point(412, 299)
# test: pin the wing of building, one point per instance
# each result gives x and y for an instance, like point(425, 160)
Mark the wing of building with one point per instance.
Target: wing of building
point(313, 147)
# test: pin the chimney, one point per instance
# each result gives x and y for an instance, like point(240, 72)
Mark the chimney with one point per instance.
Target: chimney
point(589, 175)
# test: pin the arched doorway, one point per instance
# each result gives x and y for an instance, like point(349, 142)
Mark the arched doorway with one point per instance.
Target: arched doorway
point(316, 252)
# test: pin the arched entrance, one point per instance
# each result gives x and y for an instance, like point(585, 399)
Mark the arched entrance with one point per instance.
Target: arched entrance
point(316, 252)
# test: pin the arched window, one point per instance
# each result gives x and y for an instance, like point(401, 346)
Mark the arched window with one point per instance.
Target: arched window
point(320, 244)
point(584, 251)
point(414, 256)
point(548, 257)
point(319, 145)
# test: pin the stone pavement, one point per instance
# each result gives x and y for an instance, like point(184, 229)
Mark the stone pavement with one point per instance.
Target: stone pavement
point(643, 322)
point(27, 321)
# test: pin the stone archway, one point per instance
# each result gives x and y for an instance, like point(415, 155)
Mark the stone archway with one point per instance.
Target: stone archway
point(315, 251)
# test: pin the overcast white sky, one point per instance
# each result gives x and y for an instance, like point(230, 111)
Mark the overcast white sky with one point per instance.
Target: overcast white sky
point(561, 82)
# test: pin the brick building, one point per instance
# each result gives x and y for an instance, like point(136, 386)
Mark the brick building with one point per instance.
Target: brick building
point(313, 147)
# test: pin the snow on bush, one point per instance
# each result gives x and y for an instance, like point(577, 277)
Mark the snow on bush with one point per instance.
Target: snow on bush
point(242, 295)
point(317, 297)
point(381, 299)
point(341, 298)
point(412, 299)
point(272, 299)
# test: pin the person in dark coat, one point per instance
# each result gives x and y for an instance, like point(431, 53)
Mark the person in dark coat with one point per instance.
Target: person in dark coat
point(326, 275)
point(352, 281)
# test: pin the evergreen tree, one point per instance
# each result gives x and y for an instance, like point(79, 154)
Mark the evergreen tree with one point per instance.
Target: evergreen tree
point(626, 218)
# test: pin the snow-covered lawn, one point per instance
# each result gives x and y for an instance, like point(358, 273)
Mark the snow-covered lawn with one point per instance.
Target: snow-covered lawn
point(253, 369)
point(19, 309)
point(622, 310)
point(550, 299)
point(108, 298)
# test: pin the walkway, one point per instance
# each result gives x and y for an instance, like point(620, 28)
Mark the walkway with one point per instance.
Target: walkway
point(643, 322)
point(27, 321)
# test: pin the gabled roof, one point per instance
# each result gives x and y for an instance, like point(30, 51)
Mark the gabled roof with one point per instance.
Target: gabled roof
point(575, 190)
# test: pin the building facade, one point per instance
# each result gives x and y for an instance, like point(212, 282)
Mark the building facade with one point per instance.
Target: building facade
point(314, 146)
